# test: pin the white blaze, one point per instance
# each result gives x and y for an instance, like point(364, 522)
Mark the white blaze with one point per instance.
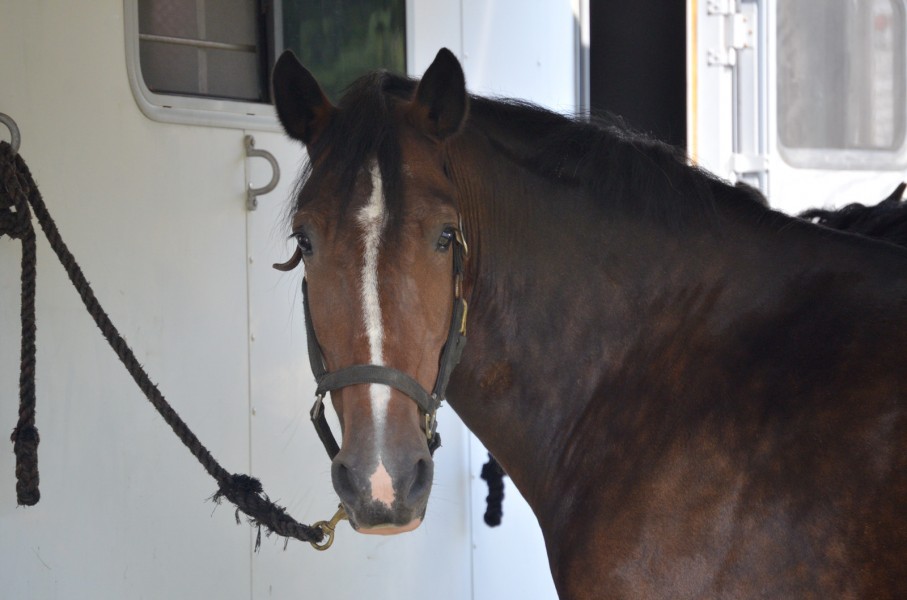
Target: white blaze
point(372, 218)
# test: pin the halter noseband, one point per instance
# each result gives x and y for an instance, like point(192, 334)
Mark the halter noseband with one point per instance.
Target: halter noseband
point(359, 374)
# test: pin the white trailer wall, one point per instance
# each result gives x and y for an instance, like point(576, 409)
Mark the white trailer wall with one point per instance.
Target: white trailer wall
point(155, 213)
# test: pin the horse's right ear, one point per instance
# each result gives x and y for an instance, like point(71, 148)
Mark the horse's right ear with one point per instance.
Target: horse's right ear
point(440, 104)
point(303, 109)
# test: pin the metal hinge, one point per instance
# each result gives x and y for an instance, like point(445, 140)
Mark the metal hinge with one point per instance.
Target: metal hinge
point(721, 7)
point(739, 33)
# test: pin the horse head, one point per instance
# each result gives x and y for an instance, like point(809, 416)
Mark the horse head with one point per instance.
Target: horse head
point(379, 232)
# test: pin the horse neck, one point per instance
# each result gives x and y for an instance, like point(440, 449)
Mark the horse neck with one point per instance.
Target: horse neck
point(551, 306)
point(578, 313)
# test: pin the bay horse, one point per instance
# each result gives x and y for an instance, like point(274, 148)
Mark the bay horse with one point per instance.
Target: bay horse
point(699, 397)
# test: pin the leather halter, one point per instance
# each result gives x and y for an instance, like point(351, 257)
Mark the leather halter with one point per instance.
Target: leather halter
point(428, 402)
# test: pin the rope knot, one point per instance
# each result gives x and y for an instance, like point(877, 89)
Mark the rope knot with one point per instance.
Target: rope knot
point(493, 474)
point(238, 485)
point(14, 223)
point(15, 218)
point(25, 440)
point(26, 435)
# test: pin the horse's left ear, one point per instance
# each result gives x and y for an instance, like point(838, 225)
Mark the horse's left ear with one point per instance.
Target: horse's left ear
point(303, 109)
point(440, 103)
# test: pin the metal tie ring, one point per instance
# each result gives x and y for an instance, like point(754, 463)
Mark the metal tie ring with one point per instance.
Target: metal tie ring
point(15, 138)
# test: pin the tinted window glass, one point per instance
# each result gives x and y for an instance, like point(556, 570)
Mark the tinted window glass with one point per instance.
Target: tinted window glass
point(340, 40)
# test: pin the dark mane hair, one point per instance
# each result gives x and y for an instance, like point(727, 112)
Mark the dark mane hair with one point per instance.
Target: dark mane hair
point(360, 132)
point(643, 175)
point(603, 155)
point(887, 220)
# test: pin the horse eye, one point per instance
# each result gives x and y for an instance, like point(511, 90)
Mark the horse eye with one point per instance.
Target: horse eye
point(304, 243)
point(447, 237)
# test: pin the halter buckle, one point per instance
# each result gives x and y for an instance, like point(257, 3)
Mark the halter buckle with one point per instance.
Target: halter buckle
point(318, 407)
point(431, 424)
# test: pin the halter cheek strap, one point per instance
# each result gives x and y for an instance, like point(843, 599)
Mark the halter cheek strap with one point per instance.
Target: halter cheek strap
point(377, 374)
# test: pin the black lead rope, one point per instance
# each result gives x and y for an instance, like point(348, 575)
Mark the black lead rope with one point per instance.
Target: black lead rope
point(15, 221)
point(18, 191)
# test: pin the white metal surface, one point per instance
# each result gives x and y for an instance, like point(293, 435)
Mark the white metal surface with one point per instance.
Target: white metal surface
point(733, 115)
point(156, 214)
point(523, 50)
point(123, 511)
point(795, 189)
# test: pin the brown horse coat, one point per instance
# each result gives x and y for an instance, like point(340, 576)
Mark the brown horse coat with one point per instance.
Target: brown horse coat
point(699, 397)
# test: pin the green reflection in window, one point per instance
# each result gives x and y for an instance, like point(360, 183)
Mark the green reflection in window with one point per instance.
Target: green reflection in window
point(339, 40)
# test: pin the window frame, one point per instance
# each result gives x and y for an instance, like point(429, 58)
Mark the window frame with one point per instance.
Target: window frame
point(206, 111)
point(846, 158)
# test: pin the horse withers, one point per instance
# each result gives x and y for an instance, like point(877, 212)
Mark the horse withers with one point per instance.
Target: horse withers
point(699, 397)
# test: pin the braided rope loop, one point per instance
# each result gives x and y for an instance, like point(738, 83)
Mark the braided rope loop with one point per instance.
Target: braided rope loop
point(15, 221)
point(18, 191)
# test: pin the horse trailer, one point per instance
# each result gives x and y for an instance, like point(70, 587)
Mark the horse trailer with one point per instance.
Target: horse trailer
point(149, 127)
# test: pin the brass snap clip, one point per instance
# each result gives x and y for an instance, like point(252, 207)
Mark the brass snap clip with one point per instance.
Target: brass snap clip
point(328, 528)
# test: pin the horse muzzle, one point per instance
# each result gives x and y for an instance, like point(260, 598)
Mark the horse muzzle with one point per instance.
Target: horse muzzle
point(383, 498)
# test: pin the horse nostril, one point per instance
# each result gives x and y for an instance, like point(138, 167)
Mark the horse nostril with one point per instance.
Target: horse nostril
point(343, 482)
point(421, 482)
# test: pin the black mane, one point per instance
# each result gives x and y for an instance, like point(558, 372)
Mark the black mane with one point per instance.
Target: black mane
point(887, 220)
point(360, 132)
point(601, 154)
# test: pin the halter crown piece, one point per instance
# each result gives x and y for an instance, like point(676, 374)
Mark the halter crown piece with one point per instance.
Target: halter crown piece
point(428, 402)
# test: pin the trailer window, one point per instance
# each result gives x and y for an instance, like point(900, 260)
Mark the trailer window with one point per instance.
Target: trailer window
point(208, 61)
point(338, 41)
point(841, 83)
point(203, 49)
